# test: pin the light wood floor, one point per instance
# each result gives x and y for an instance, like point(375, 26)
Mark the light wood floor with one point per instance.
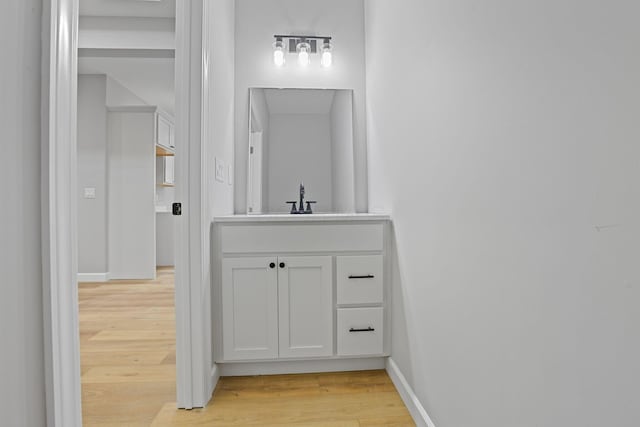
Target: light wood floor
point(127, 346)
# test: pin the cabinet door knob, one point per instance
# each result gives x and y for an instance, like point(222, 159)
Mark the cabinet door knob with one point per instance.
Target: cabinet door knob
point(282, 265)
point(272, 265)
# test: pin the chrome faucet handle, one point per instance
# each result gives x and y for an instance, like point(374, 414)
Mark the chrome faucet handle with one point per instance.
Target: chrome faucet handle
point(294, 210)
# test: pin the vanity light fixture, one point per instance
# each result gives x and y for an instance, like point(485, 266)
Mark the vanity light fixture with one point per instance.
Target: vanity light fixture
point(304, 47)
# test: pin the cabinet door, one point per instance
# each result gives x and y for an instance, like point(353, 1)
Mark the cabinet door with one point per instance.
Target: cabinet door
point(163, 131)
point(250, 308)
point(168, 173)
point(305, 310)
point(172, 136)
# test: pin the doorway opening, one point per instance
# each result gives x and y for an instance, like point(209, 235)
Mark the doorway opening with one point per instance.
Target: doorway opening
point(126, 146)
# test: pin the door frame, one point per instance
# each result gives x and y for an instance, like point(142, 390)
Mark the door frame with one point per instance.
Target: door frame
point(59, 211)
point(256, 163)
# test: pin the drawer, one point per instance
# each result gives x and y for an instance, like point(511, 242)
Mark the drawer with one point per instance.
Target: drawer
point(360, 331)
point(288, 237)
point(360, 279)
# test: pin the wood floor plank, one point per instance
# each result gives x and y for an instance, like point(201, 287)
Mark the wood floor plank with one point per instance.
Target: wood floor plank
point(127, 345)
point(133, 335)
point(123, 358)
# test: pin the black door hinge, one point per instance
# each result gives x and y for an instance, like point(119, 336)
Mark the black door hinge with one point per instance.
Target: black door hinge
point(177, 209)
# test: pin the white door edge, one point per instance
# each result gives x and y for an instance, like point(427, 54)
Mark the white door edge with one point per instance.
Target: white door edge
point(59, 226)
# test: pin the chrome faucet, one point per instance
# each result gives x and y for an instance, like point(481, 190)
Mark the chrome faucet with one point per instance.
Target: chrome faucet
point(301, 209)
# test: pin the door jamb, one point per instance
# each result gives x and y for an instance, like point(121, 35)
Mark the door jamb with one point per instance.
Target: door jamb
point(59, 225)
point(59, 212)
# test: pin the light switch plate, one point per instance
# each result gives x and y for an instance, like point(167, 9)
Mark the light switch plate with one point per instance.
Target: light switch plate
point(89, 193)
point(219, 170)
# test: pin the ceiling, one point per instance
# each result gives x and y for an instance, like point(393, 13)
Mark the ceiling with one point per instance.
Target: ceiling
point(151, 79)
point(130, 8)
point(299, 101)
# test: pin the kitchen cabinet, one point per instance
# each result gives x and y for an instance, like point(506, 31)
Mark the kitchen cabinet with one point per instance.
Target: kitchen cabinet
point(168, 170)
point(165, 131)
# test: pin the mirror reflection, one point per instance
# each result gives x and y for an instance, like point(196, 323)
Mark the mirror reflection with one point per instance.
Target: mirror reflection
point(300, 136)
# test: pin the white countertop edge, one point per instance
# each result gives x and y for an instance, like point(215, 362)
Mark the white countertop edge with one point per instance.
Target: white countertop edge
point(320, 217)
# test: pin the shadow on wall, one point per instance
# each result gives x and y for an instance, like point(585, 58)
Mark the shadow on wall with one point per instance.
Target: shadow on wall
point(401, 351)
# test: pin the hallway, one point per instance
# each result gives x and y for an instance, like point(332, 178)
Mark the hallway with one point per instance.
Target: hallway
point(127, 334)
point(127, 347)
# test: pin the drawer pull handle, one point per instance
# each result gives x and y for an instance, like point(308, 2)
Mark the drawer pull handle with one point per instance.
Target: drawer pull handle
point(366, 276)
point(369, 329)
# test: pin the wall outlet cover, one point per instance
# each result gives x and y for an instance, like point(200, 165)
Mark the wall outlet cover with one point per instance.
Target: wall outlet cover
point(219, 170)
point(89, 193)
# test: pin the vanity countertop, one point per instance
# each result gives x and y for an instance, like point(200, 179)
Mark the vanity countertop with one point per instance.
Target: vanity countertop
point(321, 217)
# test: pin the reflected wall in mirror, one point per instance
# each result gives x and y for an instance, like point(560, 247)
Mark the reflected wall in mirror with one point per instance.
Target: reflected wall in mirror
point(300, 135)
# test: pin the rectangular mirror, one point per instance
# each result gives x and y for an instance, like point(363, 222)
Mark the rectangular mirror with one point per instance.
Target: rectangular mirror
point(300, 136)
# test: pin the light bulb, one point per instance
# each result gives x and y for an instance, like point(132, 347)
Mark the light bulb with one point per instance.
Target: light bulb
point(327, 57)
point(303, 53)
point(303, 57)
point(278, 53)
point(278, 57)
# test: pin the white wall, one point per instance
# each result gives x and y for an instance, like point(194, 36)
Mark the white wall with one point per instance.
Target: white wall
point(219, 128)
point(131, 182)
point(503, 136)
point(22, 384)
point(342, 152)
point(299, 151)
point(92, 173)
point(119, 96)
point(96, 93)
point(126, 32)
point(256, 23)
point(221, 105)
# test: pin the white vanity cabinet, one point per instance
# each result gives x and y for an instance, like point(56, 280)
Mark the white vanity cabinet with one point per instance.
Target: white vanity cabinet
point(277, 307)
point(300, 288)
point(305, 306)
point(250, 308)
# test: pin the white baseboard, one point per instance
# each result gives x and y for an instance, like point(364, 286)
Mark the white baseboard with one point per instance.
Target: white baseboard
point(417, 411)
point(299, 366)
point(215, 377)
point(93, 277)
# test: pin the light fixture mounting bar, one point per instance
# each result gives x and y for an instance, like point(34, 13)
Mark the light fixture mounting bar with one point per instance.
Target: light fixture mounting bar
point(294, 36)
